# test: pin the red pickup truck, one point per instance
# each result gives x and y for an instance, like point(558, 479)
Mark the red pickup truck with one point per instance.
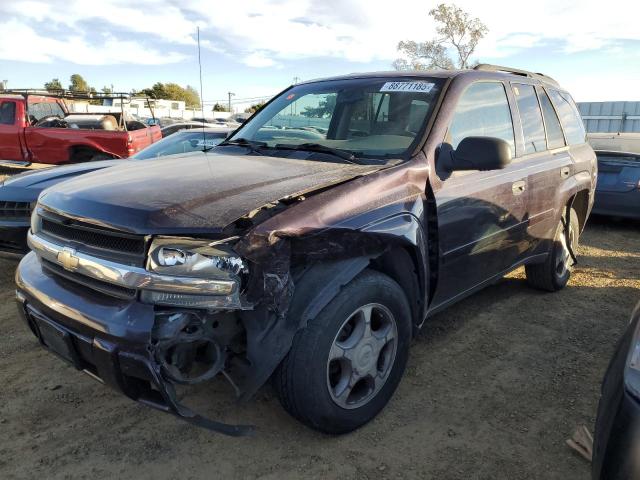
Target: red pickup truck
point(39, 128)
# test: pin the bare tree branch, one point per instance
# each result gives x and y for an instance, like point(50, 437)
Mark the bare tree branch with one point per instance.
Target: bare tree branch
point(456, 29)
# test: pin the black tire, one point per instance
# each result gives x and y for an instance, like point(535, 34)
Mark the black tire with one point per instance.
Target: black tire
point(100, 156)
point(552, 275)
point(302, 380)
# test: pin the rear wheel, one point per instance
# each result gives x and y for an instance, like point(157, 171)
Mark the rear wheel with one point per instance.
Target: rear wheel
point(554, 273)
point(83, 154)
point(100, 156)
point(344, 367)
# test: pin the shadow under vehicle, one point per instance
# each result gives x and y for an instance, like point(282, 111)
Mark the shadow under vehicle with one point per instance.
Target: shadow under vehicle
point(311, 245)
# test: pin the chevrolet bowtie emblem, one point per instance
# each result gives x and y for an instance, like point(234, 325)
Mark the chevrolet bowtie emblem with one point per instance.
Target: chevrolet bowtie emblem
point(68, 259)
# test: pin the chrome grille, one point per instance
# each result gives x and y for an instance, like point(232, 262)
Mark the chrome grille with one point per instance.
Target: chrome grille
point(94, 240)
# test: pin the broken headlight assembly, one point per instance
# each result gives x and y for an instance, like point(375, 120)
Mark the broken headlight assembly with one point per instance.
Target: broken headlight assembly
point(198, 273)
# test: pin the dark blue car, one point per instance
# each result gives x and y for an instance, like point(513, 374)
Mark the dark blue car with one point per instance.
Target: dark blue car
point(618, 189)
point(19, 193)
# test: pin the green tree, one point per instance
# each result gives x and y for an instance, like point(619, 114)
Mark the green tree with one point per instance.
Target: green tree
point(325, 107)
point(254, 108)
point(107, 90)
point(78, 84)
point(173, 91)
point(156, 91)
point(191, 97)
point(54, 84)
point(220, 108)
point(456, 30)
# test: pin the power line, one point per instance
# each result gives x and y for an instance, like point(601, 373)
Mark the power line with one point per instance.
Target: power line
point(238, 100)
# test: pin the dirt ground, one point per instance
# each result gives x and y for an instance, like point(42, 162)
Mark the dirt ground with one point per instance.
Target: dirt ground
point(493, 388)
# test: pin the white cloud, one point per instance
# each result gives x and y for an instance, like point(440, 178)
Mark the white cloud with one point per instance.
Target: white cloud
point(36, 48)
point(258, 60)
point(264, 33)
point(368, 30)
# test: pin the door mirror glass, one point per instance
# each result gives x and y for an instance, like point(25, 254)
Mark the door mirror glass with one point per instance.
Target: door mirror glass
point(481, 153)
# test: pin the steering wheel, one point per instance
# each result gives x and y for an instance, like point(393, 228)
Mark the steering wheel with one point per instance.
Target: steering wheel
point(51, 121)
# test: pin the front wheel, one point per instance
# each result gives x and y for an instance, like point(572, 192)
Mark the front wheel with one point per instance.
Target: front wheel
point(554, 273)
point(344, 367)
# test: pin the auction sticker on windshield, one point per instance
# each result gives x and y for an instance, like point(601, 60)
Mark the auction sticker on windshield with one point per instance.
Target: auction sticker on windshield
point(407, 87)
point(207, 143)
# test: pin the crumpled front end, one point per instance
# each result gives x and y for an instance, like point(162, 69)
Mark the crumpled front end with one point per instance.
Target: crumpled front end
point(146, 314)
point(125, 344)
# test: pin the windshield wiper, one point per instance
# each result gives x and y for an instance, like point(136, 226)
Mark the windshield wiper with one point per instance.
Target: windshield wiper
point(253, 145)
point(347, 155)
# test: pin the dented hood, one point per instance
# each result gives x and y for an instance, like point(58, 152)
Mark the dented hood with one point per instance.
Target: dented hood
point(191, 194)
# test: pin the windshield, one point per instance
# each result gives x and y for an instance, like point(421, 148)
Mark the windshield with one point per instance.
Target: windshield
point(181, 142)
point(376, 117)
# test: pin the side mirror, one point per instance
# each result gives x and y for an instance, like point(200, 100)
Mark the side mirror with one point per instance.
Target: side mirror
point(481, 153)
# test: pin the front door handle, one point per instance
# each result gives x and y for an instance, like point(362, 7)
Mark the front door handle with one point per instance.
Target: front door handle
point(519, 187)
point(565, 172)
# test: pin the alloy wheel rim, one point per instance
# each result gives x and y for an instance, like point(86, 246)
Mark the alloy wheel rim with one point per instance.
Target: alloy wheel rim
point(563, 255)
point(362, 356)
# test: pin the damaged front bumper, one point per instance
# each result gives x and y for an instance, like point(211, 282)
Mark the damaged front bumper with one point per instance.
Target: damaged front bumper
point(117, 341)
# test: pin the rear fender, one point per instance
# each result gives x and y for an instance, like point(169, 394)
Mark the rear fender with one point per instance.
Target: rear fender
point(92, 147)
point(580, 182)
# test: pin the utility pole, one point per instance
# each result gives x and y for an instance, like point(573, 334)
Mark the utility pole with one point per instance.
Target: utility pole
point(294, 105)
point(230, 94)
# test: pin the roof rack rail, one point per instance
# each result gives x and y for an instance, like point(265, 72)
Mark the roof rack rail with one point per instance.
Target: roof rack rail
point(487, 67)
point(125, 97)
point(71, 94)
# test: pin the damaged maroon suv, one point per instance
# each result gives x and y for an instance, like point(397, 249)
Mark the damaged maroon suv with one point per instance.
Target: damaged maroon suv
point(310, 246)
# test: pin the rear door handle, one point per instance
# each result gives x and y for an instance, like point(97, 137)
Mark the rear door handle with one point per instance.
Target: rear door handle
point(518, 187)
point(565, 172)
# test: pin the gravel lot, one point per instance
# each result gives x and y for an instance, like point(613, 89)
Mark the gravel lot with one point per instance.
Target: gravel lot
point(494, 386)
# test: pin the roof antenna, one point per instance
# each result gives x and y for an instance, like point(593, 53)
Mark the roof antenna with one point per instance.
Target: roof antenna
point(204, 140)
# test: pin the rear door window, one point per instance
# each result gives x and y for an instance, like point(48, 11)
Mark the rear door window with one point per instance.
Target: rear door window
point(7, 113)
point(555, 138)
point(531, 118)
point(569, 117)
point(482, 111)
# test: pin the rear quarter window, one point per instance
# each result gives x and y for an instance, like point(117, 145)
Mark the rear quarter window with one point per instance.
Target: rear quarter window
point(569, 117)
point(555, 138)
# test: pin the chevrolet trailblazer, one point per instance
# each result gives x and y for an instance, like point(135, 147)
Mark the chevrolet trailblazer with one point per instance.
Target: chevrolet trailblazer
point(310, 246)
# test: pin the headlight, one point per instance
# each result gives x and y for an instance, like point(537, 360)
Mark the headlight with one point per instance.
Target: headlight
point(196, 259)
point(35, 218)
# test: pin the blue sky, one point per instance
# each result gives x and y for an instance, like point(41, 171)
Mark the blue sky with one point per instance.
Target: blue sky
point(255, 47)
